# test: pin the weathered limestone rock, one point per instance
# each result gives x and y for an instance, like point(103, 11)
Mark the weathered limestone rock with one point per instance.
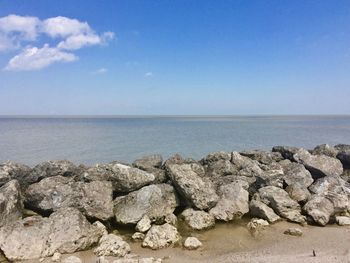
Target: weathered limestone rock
point(144, 224)
point(233, 202)
point(52, 168)
point(286, 151)
point(325, 149)
point(293, 232)
point(295, 173)
point(156, 201)
point(11, 203)
point(94, 199)
point(256, 226)
point(281, 203)
point(161, 236)
point(192, 243)
point(264, 157)
point(148, 161)
point(112, 245)
point(319, 208)
point(56, 257)
point(14, 171)
point(245, 165)
point(220, 168)
point(319, 165)
point(261, 210)
point(198, 220)
point(138, 236)
point(298, 193)
point(65, 231)
point(342, 220)
point(197, 190)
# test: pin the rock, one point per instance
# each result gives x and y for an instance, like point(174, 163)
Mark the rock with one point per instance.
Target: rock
point(11, 203)
point(94, 199)
point(200, 192)
point(144, 224)
point(215, 157)
point(342, 220)
point(281, 203)
point(198, 220)
point(286, 151)
point(161, 236)
point(220, 168)
point(319, 165)
point(295, 173)
point(72, 259)
point(264, 157)
point(245, 165)
point(138, 236)
point(256, 226)
point(319, 208)
point(112, 245)
point(294, 232)
point(233, 202)
point(171, 219)
point(192, 243)
point(65, 231)
point(342, 147)
point(325, 149)
point(52, 168)
point(343, 154)
point(14, 171)
point(56, 257)
point(298, 193)
point(156, 201)
point(149, 161)
point(261, 210)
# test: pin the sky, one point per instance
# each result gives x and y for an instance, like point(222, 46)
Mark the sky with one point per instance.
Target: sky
point(167, 57)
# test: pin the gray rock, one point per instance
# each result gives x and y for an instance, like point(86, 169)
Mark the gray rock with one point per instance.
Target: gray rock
point(295, 173)
point(325, 149)
point(215, 157)
point(161, 236)
point(286, 151)
point(220, 168)
point(198, 191)
point(320, 209)
point(192, 243)
point(298, 193)
point(281, 203)
point(319, 165)
point(293, 232)
point(144, 224)
point(198, 220)
point(343, 153)
point(149, 161)
point(52, 168)
point(14, 171)
point(264, 157)
point(11, 203)
point(65, 231)
point(261, 210)
point(245, 165)
point(94, 199)
point(155, 201)
point(112, 245)
point(256, 226)
point(233, 202)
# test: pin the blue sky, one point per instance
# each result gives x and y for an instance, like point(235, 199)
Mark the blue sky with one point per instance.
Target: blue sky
point(174, 57)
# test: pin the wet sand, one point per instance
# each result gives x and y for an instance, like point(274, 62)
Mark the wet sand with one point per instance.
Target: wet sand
point(231, 242)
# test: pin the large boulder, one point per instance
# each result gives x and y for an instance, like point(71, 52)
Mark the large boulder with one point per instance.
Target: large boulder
point(319, 165)
point(325, 149)
point(261, 210)
point(281, 203)
point(112, 245)
point(286, 151)
point(343, 153)
point(197, 220)
point(11, 203)
point(264, 157)
point(197, 190)
point(65, 231)
point(156, 201)
point(94, 199)
point(52, 168)
point(215, 157)
point(319, 208)
point(161, 236)
point(298, 192)
point(295, 173)
point(14, 171)
point(245, 165)
point(233, 202)
point(220, 168)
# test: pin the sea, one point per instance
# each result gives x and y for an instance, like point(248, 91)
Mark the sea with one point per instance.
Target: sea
point(90, 140)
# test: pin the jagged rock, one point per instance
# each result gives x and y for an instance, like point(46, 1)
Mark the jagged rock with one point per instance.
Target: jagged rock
point(138, 236)
point(325, 149)
point(298, 193)
point(65, 231)
point(319, 208)
point(319, 165)
point(286, 151)
point(112, 245)
point(293, 232)
point(14, 171)
point(11, 203)
point(94, 199)
point(144, 224)
point(342, 220)
point(295, 173)
point(343, 153)
point(281, 203)
point(171, 219)
point(192, 243)
point(261, 210)
point(215, 157)
point(56, 257)
point(220, 168)
point(256, 226)
point(161, 236)
point(199, 191)
point(264, 157)
point(198, 220)
point(52, 168)
point(148, 161)
point(233, 202)
point(245, 165)
point(72, 259)
point(270, 177)
point(155, 201)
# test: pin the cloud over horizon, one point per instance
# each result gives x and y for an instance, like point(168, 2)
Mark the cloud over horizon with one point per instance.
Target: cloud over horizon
point(20, 32)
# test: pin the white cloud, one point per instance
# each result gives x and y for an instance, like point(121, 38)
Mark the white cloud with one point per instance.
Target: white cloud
point(148, 74)
point(33, 58)
point(100, 71)
point(71, 34)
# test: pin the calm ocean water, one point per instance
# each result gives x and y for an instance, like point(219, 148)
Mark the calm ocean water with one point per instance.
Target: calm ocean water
point(95, 140)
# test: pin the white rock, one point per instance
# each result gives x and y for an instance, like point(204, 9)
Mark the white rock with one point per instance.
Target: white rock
point(56, 257)
point(138, 236)
point(256, 226)
point(343, 220)
point(72, 259)
point(144, 224)
point(192, 243)
point(112, 245)
point(161, 236)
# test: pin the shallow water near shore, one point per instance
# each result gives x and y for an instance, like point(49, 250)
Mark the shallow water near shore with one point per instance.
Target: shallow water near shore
point(99, 140)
